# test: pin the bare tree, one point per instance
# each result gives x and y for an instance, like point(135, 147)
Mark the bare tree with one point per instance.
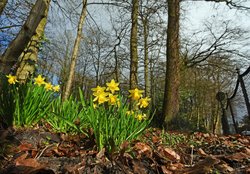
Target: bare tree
point(75, 50)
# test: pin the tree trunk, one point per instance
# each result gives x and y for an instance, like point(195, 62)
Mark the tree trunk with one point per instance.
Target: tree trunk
point(75, 51)
point(146, 59)
point(172, 83)
point(29, 57)
point(17, 46)
point(133, 46)
point(2, 5)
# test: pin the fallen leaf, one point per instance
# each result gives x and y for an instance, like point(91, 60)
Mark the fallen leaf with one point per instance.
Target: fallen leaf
point(22, 157)
point(30, 162)
point(169, 153)
point(144, 149)
point(203, 166)
point(224, 168)
point(201, 152)
point(239, 157)
point(25, 147)
point(176, 166)
point(165, 170)
point(138, 167)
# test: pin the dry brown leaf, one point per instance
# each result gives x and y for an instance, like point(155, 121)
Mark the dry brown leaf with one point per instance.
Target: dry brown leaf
point(138, 167)
point(201, 152)
point(144, 149)
point(224, 168)
point(176, 166)
point(22, 157)
point(25, 147)
point(165, 170)
point(244, 141)
point(239, 157)
point(203, 166)
point(156, 139)
point(169, 153)
point(30, 162)
point(246, 150)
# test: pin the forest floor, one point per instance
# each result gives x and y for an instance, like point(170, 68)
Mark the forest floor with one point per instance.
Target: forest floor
point(39, 151)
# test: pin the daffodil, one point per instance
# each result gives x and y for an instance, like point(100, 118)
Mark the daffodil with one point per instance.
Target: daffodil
point(101, 97)
point(11, 79)
point(98, 90)
point(112, 86)
point(130, 112)
point(143, 102)
point(95, 105)
point(39, 80)
point(141, 117)
point(136, 94)
point(56, 88)
point(48, 86)
point(112, 99)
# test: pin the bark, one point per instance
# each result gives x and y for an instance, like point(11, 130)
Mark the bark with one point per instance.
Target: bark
point(172, 83)
point(17, 46)
point(2, 5)
point(29, 57)
point(146, 59)
point(133, 46)
point(75, 51)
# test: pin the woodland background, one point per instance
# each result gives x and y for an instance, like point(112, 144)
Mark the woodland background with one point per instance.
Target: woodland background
point(80, 43)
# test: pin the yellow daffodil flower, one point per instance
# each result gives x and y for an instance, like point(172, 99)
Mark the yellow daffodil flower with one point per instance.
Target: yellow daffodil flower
point(98, 90)
point(141, 117)
point(39, 80)
point(135, 94)
point(112, 99)
point(143, 102)
point(95, 105)
point(48, 86)
point(130, 112)
point(56, 88)
point(112, 86)
point(101, 97)
point(118, 102)
point(11, 79)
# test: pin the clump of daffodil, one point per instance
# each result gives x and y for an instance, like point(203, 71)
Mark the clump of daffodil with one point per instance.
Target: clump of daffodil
point(143, 102)
point(12, 79)
point(39, 80)
point(106, 94)
point(136, 94)
point(112, 86)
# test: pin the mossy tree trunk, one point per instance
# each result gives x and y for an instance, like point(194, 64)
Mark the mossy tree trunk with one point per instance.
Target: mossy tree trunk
point(17, 46)
point(29, 57)
point(133, 46)
point(146, 58)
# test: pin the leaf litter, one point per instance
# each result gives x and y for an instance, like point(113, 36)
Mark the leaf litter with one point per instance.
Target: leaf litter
point(40, 151)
